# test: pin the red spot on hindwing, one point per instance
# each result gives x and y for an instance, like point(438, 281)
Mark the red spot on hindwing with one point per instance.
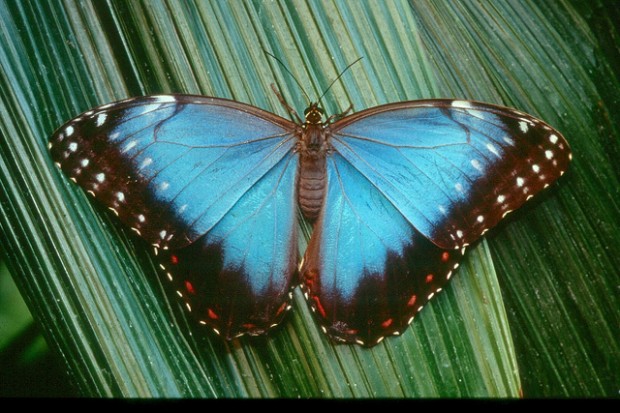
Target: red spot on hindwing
point(445, 256)
point(412, 301)
point(212, 314)
point(319, 306)
point(429, 278)
point(174, 259)
point(189, 287)
point(282, 308)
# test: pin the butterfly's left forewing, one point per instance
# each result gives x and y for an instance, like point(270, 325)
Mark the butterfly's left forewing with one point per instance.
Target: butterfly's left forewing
point(209, 182)
point(171, 166)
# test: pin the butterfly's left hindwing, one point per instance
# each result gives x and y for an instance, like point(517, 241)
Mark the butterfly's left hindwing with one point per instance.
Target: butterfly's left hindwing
point(211, 183)
point(237, 278)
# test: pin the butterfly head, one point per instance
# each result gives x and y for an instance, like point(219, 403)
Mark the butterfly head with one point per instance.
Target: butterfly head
point(314, 114)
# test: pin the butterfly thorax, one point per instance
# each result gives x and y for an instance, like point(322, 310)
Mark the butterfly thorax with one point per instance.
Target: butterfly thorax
point(313, 145)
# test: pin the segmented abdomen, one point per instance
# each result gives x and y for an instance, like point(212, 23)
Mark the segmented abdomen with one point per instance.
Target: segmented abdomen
point(311, 184)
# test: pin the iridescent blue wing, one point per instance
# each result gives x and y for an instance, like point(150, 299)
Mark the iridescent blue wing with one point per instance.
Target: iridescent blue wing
point(237, 277)
point(211, 179)
point(453, 168)
point(367, 270)
point(410, 186)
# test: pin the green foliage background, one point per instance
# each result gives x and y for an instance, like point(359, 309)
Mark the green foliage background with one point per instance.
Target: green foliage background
point(534, 310)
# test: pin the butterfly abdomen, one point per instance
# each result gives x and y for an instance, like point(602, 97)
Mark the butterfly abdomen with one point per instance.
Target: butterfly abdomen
point(311, 185)
point(312, 171)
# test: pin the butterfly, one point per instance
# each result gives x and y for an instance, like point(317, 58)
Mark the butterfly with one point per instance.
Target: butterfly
point(395, 194)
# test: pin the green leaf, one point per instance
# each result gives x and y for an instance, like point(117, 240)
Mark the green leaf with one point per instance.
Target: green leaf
point(535, 306)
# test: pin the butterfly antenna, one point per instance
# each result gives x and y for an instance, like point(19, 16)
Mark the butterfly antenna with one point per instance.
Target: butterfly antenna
point(290, 73)
point(338, 77)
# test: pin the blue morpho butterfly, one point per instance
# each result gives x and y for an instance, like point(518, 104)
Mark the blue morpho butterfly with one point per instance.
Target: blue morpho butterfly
point(395, 192)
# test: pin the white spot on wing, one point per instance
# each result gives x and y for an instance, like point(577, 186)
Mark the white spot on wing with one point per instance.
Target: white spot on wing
point(468, 107)
point(130, 145)
point(480, 218)
point(509, 140)
point(165, 99)
point(524, 126)
point(101, 119)
point(120, 196)
point(462, 104)
point(520, 181)
point(146, 162)
point(548, 154)
point(84, 162)
point(69, 131)
point(164, 185)
point(535, 168)
point(492, 149)
point(553, 139)
point(477, 165)
point(501, 199)
point(458, 187)
point(100, 177)
point(73, 146)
